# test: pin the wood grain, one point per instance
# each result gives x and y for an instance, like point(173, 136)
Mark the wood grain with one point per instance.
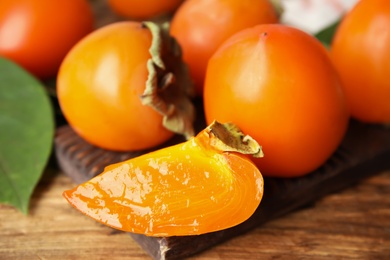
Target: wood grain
point(352, 224)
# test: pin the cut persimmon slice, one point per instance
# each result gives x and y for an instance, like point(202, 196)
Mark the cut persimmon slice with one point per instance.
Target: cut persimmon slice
point(202, 185)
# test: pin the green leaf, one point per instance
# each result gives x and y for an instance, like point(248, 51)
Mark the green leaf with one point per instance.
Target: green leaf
point(26, 134)
point(326, 34)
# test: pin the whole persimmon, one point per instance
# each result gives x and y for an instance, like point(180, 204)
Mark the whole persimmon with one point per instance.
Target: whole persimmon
point(361, 53)
point(278, 85)
point(104, 94)
point(37, 34)
point(200, 26)
point(145, 9)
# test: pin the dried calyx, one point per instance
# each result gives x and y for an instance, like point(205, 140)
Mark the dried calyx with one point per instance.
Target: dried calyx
point(229, 138)
point(169, 88)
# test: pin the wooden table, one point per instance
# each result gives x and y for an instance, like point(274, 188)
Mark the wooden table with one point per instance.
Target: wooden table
point(351, 224)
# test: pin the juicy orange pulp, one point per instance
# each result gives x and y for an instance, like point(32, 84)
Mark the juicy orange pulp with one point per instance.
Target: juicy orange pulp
point(186, 189)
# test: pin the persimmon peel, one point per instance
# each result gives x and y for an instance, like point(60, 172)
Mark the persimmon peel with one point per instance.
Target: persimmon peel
point(202, 185)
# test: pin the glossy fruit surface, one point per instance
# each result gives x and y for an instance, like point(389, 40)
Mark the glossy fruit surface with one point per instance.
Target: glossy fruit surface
point(99, 88)
point(191, 188)
point(144, 9)
point(361, 53)
point(37, 34)
point(200, 26)
point(286, 96)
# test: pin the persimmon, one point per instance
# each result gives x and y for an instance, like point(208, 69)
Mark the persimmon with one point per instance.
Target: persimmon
point(278, 84)
point(38, 34)
point(123, 88)
point(145, 9)
point(361, 53)
point(202, 185)
point(200, 26)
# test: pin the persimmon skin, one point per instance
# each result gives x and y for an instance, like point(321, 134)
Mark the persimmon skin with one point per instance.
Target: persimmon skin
point(186, 189)
point(99, 87)
point(278, 85)
point(145, 9)
point(38, 34)
point(361, 53)
point(200, 26)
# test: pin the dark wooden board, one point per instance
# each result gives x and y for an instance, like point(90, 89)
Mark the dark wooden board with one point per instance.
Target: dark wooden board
point(364, 151)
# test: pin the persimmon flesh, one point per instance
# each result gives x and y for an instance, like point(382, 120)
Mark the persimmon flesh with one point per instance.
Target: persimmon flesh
point(186, 189)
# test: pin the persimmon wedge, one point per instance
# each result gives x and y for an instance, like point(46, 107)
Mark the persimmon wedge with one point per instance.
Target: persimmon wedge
point(202, 185)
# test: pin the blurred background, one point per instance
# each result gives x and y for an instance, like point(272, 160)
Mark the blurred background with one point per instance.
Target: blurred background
point(314, 15)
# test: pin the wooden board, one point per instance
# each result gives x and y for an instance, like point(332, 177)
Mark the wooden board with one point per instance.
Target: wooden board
point(364, 151)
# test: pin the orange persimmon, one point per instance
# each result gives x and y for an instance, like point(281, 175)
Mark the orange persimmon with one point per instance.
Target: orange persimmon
point(143, 10)
point(201, 26)
point(124, 87)
point(360, 51)
point(259, 80)
point(202, 185)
